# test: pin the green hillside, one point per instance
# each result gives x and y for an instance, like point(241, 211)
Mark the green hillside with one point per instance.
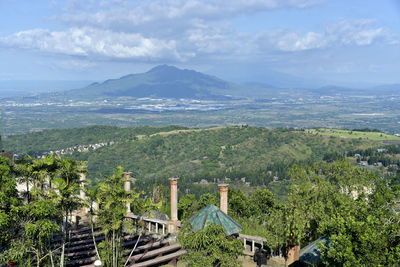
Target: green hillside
point(47, 140)
point(255, 153)
point(156, 153)
point(371, 135)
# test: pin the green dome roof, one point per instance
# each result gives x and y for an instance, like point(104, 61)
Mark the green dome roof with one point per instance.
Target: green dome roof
point(212, 214)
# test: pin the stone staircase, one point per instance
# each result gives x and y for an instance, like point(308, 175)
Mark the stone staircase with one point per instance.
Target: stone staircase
point(150, 251)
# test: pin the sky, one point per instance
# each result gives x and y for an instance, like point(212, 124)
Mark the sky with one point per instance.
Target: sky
point(353, 43)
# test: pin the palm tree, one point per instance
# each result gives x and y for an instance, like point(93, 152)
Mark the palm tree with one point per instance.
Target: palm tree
point(67, 184)
point(22, 171)
point(112, 200)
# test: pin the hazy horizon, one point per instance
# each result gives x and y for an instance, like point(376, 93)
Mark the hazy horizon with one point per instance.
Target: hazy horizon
point(306, 42)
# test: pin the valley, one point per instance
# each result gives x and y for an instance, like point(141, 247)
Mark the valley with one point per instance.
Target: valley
point(166, 95)
point(283, 108)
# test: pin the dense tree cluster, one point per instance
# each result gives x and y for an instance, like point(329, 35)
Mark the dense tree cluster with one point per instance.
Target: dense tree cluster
point(355, 209)
point(44, 141)
point(210, 247)
point(35, 223)
point(30, 222)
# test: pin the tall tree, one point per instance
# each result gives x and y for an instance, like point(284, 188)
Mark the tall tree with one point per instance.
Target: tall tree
point(352, 207)
point(8, 201)
point(210, 247)
point(112, 199)
point(66, 185)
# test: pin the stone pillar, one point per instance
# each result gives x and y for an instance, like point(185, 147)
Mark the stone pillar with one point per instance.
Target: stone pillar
point(95, 209)
point(173, 182)
point(292, 254)
point(127, 188)
point(223, 193)
point(82, 195)
point(173, 223)
point(82, 179)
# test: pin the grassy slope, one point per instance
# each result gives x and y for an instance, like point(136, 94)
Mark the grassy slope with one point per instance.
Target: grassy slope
point(60, 139)
point(160, 152)
point(214, 152)
point(377, 136)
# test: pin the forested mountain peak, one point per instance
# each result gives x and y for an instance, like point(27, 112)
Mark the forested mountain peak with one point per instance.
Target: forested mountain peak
point(161, 81)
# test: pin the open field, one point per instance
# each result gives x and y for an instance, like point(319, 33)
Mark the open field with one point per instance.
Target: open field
point(376, 136)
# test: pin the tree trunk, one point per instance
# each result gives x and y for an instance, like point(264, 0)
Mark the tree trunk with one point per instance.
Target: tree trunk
point(65, 223)
point(51, 258)
point(113, 249)
point(94, 240)
point(38, 258)
point(27, 191)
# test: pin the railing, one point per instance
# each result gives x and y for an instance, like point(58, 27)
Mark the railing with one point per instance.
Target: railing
point(251, 242)
point(153, 226)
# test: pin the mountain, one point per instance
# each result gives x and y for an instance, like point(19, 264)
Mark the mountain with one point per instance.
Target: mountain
point(162, 81)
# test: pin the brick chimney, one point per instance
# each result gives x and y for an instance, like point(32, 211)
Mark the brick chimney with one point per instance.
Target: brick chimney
point(174, 222)
point(127, 188)
point(223, 193)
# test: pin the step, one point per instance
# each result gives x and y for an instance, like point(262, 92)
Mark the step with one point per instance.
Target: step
point(161, 259)
point(88, 243)
point(80, 262)
point(155, 253)
point(92, 252)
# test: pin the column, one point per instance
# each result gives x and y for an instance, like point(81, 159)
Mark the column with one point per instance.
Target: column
point(173, 182)
point(223, 193)
point(95, 208)
point(173, 223)
point(127, 188)
point(82, 183)
point(82, 180)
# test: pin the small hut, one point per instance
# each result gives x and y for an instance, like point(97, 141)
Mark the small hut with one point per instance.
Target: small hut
point(212, 214)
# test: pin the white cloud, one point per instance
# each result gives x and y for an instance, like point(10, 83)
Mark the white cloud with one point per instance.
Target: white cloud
point(199, 40)
point(294, 42)
point(180, 30)
point(343, 33)
point(91, 42)
point(357, 32)
point(120, 12)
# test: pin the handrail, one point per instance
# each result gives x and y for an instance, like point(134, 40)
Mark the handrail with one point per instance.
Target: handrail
point(137, 217)
point(254, 240)
point(253, 237)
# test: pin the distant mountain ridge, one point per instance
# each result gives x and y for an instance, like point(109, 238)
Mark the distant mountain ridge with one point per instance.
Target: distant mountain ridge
point(161, 81)
point(166, 81)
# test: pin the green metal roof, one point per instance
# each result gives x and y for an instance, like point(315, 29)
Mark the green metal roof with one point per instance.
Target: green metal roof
point(311, 254)
point(212, 214)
